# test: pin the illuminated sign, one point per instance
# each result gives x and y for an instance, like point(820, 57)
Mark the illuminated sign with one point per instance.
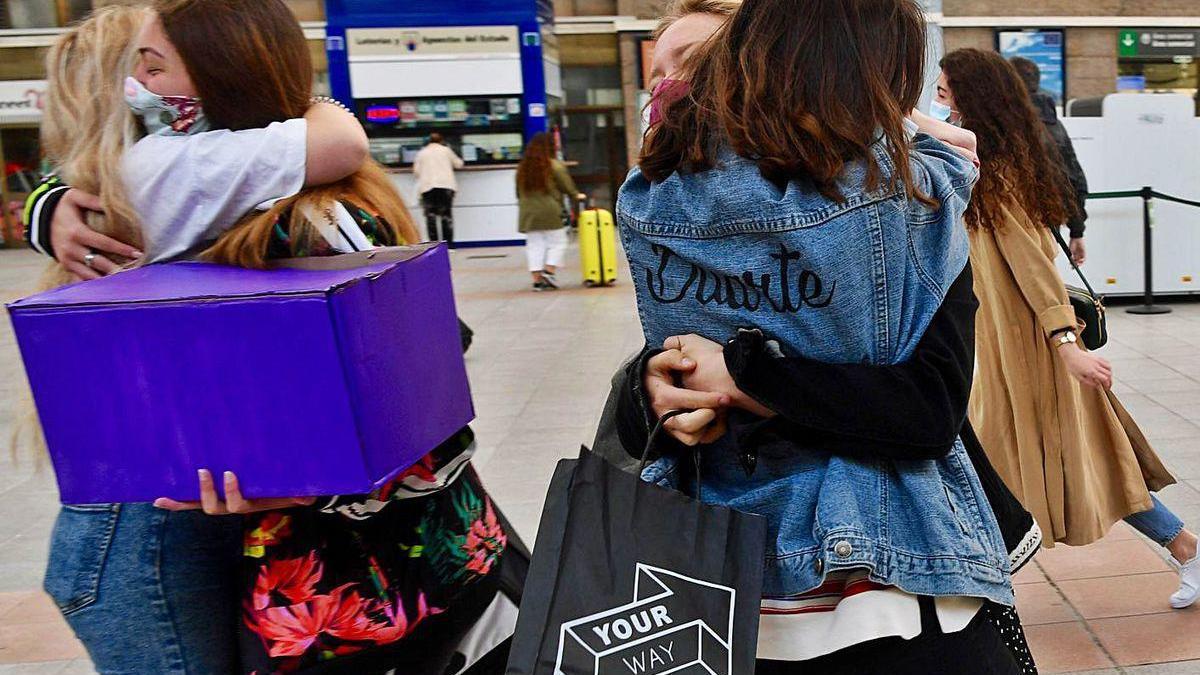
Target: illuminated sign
point(383, 114)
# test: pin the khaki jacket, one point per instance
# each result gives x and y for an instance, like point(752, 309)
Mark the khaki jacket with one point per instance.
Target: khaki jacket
point(1070, 453)
point(541, 211)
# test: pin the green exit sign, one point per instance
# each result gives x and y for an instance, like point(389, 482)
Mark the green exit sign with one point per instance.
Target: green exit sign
point(1127, 42)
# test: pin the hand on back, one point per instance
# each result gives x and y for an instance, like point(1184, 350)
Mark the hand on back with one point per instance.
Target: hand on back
point(76, 244)
point(691, 375)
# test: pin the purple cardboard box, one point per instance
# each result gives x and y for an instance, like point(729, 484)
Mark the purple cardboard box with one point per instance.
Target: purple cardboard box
point(327, 376)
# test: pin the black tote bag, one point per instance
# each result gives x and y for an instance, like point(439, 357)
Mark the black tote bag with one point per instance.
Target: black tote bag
point(629, 578)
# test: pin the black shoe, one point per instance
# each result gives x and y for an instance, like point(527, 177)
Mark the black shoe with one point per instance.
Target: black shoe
point(549, 280)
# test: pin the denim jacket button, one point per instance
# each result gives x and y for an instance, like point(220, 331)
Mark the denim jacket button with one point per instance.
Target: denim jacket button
point(843, 549)
point(820, 565)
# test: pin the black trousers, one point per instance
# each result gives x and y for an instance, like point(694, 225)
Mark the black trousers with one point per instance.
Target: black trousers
point(978, 649)
point(438, 204)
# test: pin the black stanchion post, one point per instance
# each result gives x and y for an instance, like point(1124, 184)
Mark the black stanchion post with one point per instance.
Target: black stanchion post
point(1148, 306)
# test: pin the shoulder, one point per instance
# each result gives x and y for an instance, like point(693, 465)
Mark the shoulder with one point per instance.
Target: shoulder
point(212, 153)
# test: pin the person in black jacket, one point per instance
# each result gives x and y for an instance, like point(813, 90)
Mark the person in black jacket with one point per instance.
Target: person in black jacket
point(1043, 102)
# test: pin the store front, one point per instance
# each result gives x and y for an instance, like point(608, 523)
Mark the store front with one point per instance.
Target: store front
point(486, 78)
point(1158, 60)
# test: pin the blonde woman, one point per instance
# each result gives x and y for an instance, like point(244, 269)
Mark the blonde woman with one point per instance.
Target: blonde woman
point(430, 509)
point(145, 590)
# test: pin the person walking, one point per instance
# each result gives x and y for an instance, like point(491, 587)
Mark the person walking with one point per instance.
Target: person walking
point(542, 183)
point(434, 170)
point(1041, 403)
point(1043, 102)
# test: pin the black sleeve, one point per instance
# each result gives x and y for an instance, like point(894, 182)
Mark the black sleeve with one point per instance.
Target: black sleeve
point(912, 410)
point(1074, 172)
point(39, 212)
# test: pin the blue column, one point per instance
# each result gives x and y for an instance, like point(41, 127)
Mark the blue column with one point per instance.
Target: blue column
point(533, 78)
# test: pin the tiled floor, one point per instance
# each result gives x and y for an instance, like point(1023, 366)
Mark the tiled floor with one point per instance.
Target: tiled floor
point(540, 371)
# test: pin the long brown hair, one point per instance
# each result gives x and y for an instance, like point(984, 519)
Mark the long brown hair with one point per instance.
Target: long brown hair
point(1017, 166)
point(802, 87)
point(248, 58)
point(251, 66)
point(247, 243)
point(533, 173)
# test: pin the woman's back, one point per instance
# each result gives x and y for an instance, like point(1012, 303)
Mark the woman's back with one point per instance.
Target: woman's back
point(850, 281)
point(541, 209)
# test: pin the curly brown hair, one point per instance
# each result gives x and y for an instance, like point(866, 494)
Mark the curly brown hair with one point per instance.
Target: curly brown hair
point(1018, 163)
point(803, 87)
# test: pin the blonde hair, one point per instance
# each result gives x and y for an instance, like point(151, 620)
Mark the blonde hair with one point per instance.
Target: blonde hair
point(86, 128)
point(682, 8)
point(247, 243)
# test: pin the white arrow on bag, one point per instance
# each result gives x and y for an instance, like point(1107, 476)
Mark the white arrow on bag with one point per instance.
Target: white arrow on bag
point(675, 624)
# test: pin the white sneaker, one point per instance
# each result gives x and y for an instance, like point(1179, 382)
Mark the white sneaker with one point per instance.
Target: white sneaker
point(1189, 583)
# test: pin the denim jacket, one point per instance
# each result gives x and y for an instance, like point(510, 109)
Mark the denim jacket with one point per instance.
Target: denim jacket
point(856, 281)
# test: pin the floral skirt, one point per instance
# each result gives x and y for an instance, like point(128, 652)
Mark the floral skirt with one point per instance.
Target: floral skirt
point(401, 589)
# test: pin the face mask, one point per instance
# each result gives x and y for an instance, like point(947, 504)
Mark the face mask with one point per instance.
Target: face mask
point(165, 115)
point(940, 111)
point(667, 92)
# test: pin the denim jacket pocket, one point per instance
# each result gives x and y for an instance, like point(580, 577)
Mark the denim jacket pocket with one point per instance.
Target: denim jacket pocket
point(79, 547)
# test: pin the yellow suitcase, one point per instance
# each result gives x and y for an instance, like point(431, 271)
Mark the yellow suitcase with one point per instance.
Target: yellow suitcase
point(597, 247)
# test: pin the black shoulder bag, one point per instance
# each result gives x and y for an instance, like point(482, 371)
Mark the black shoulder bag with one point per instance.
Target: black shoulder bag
point(1088, 306)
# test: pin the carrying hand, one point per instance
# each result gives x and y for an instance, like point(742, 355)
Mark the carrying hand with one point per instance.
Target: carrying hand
point(234, 502)
point(1089, 369)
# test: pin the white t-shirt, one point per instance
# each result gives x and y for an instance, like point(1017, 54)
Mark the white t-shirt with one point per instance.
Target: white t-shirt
point(188, 190)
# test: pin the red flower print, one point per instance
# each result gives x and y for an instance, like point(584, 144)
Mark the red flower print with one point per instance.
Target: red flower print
point(342, 614)
point(294, 579)
point(424, 469)
point(485, 541)
point(273, 527)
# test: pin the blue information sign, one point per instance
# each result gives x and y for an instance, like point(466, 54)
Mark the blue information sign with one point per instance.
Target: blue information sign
point(1046, 48)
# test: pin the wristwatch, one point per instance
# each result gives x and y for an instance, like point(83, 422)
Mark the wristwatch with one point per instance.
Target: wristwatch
point(1067, 338)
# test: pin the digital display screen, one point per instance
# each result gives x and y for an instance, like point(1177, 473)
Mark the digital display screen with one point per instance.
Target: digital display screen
point(1045, 47)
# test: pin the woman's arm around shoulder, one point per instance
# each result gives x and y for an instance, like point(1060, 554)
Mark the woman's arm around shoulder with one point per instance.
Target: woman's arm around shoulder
point(337, 145)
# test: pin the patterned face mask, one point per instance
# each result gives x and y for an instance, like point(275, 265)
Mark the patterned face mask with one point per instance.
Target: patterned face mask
point(165, 115)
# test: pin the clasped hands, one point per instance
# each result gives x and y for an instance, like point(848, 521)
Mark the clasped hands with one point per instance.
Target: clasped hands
point(690, 374)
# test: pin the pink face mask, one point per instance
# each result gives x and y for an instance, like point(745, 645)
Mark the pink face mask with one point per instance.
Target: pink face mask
point(667, 92)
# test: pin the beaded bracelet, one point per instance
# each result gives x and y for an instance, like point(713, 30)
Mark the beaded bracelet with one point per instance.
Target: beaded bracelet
point(331, 101)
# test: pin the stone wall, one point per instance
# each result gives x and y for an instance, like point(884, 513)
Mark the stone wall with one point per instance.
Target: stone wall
point(1091, 56)
point(1070, 8)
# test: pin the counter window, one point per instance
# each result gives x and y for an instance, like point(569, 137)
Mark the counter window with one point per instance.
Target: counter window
point(482, 129)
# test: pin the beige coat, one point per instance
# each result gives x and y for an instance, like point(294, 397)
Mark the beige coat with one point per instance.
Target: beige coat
point(1070, 453)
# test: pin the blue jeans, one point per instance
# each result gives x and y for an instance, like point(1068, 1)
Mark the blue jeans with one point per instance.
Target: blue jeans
point(1159, 523)
point(147, 590)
